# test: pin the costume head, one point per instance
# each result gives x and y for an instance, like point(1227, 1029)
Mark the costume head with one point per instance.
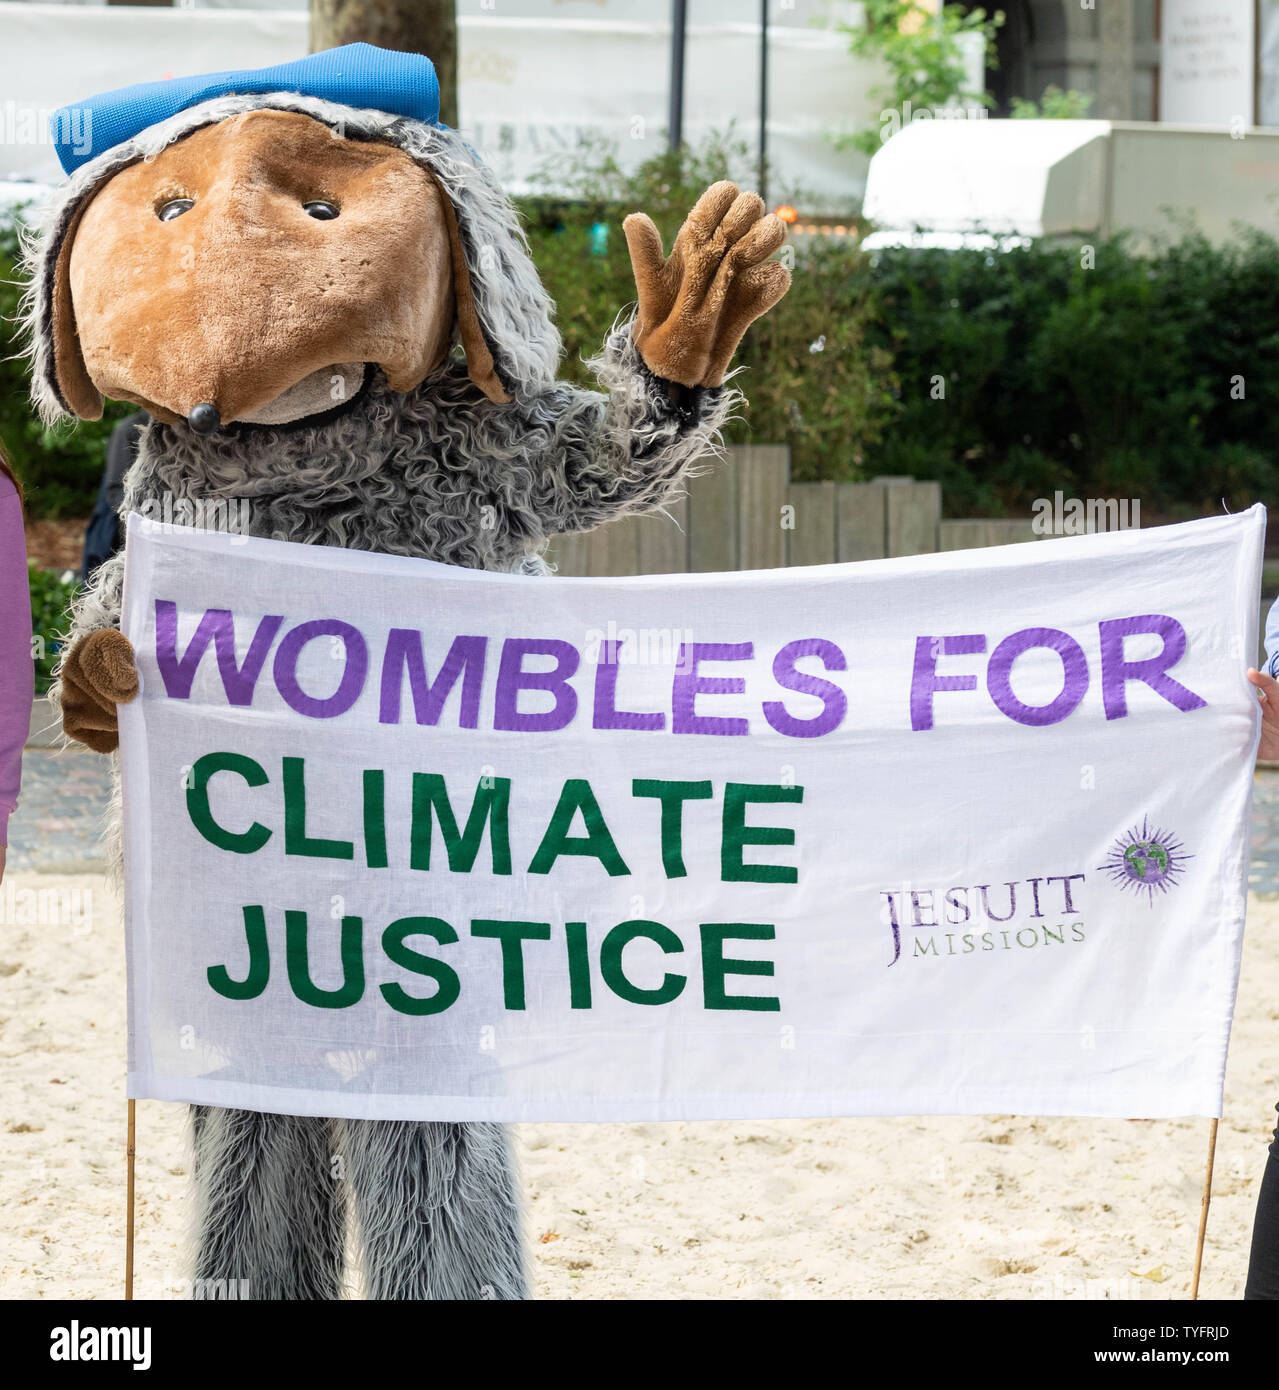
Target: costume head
point(250, 246)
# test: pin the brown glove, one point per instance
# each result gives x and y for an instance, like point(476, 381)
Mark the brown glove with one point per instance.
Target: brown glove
point(97, 675)
point(695, 306)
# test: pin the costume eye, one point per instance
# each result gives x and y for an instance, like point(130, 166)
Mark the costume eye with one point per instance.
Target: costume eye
point(175, 207)
point(321, 210)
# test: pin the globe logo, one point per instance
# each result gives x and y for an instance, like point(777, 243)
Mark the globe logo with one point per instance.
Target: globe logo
point(1146, 859)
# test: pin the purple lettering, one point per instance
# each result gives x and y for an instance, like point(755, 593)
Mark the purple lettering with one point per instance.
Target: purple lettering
point(404, 655)
point(1116, 671)
point(217, 626)
point(355, 665)
point(512, 678)
point(1074, 675)
point(689, 684)
point(917, 900)
point(607, 714)
point(834, 701)
point(925, 681)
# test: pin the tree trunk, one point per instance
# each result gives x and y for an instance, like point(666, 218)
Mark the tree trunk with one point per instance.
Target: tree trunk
point(412, 26)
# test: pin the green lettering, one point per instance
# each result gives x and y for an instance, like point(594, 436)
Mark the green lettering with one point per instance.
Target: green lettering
point(259, 961)
point(611, 962)
point(246, 842)
point(296, 840)
point(297, 956)
point(715, 966)
point(579, 966)
point(375, 818)
point(512, 935)
point(490, 806)
point(672, 795)
point(737, 834)
point(596, 844)
point(393, 943)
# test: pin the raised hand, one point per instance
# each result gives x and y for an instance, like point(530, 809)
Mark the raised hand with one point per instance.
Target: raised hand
point(695, 304)
point(97, 675)
point(1268, 694)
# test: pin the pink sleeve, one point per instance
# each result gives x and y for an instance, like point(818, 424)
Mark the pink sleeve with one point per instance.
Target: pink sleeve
point(17, 670)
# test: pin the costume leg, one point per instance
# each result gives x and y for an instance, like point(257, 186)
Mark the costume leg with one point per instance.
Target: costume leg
point(438, 1210)
point(1263, 1264)
point(270, 1208)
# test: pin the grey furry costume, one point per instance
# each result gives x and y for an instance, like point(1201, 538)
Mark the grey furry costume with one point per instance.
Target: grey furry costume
point(442, 473)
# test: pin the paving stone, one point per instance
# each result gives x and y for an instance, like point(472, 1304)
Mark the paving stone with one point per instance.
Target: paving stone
point(58, 823)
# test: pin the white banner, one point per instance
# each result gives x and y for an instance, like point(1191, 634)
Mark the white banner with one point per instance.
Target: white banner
point(962, 833)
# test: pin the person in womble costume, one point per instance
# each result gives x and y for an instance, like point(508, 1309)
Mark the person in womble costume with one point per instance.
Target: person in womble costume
point(323, 299)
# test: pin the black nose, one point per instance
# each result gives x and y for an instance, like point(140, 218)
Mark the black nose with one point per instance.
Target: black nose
point(204, 418)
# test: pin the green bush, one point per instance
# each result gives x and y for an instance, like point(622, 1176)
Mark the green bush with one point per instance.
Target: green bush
point(51, 595)
point(1113, 380)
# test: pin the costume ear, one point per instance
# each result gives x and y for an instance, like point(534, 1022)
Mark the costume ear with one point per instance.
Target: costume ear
point(71, 376)
point(479, 358)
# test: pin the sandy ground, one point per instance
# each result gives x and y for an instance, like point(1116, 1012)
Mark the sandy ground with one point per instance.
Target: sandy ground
point(940, 1208)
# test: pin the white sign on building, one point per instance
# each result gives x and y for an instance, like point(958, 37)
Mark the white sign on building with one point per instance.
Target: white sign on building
point(1207, 72)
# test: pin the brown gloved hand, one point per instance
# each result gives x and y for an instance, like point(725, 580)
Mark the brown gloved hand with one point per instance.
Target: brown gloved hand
point(97, 675)
point(695, 306)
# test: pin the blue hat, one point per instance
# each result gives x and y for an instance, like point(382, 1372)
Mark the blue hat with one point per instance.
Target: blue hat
point(357, 74)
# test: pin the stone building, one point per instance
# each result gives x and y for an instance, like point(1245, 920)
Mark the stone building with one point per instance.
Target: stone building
point(1145, 60)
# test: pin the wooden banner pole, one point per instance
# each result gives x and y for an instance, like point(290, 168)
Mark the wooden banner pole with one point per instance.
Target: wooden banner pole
point(128, 1204)
point(1203, 1209)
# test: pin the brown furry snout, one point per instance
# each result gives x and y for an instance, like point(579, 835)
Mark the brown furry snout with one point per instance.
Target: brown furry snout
point(240, 292)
